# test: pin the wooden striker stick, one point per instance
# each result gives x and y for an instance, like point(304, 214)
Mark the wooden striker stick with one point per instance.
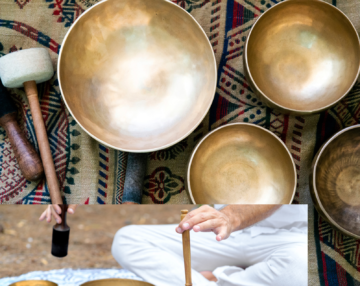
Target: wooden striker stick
point(43, 142)
point(186, 251)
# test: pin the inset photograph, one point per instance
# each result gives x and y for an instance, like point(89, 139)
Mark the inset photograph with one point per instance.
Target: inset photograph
point(201, 245)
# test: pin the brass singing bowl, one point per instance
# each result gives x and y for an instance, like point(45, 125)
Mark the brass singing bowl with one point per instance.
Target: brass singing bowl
point(116, 282)
point(302, 56)
point(34, 283)
point(335, 181)
point(241, 163)
point(137, 75)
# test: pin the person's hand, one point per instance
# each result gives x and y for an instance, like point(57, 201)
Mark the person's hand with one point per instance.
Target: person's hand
point(207, 219)
point(209, 275)
point(55, 211)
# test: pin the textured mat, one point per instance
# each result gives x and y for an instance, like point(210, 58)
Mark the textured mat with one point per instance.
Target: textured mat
point(70, 277)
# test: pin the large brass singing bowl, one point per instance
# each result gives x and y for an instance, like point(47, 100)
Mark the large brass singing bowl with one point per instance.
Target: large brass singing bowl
point(116, 282)
point(34, 283)
point(137, 75)
point(241, 163)
point(335, 181)
point(302, 56)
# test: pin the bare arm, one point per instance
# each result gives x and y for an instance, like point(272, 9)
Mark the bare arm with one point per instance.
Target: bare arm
point(243, 216)
point(226, 221)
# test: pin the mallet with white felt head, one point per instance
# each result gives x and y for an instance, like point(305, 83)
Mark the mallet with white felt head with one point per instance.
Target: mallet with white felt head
point(26, 156)
point(26, 68)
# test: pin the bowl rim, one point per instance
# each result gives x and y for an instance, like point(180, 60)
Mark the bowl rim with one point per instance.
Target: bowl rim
point(34, 281)
point(115, 280)
point(313, 183)
point(145, 150)
point(299, 111)
point(237, 124)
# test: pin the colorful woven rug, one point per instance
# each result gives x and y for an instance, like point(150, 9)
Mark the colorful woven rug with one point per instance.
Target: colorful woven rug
point(91, 173)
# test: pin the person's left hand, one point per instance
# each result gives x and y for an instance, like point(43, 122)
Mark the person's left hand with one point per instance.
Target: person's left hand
point(207, 219)
point(55, 211)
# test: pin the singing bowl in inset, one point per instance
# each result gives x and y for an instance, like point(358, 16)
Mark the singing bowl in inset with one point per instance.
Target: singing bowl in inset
point(241, 163)
point(116, 282)
point(335, 181)
point(34, 283)
point(137, 75)
point(302, 56)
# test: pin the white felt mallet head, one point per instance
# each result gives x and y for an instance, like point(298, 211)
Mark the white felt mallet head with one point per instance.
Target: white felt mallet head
point(26, 65)
point(26, 68)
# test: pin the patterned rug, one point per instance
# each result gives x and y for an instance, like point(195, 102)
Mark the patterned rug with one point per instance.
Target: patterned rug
point(91, 173)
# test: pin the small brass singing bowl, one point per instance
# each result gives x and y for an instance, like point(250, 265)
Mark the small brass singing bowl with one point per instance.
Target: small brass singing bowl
point(137, 75)
point(335, 181)
point(241, 163)
point(302, 56)
point(34, 283)
point(116, 282)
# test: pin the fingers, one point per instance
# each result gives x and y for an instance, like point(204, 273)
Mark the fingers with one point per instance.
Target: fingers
point(43, 215)
point(48, 214)
point(208, 225)
point(195, 217)
point(223, 234)
point(216, 225)
point(57, 209)
point(51, 211)
point(55, 215)
point(71, 209)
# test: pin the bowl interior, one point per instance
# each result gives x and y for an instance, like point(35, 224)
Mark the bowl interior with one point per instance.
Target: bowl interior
point(242, 164)
point(338, 180)
point(303, 55)
point(138, 75)
point(34, 283)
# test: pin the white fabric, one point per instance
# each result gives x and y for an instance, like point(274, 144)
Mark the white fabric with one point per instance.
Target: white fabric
point(289, 217)
point(279, 258)
point(71, 277)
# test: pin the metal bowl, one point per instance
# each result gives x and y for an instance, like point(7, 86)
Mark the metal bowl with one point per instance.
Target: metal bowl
point(34, 283)
point(137, 75)
point(302, 56)
point(335, 181)
point(116, 282)
point(241, 163)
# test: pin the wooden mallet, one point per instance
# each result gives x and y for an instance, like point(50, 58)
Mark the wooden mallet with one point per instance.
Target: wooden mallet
point(61, 234)
point(26, 68)
point(26, 156)
point(186, 251)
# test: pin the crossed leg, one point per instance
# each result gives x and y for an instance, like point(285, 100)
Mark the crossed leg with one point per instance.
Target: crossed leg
point(155, 254)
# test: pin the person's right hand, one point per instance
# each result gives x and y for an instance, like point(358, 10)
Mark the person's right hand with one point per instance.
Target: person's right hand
point(207, 219)
point(55, 211)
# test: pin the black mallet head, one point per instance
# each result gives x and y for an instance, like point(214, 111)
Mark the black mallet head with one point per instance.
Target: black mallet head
point(61, 234)
point(6, 104)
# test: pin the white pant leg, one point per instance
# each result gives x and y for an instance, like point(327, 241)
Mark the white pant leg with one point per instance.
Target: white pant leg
point(278, 259)
point(155, 254)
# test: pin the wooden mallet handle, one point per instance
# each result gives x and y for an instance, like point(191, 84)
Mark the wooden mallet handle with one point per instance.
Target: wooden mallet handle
point(29, 161)
point(186, 251)
point(43, 142)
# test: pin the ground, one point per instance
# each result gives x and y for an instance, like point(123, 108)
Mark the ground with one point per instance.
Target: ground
point(25, 243)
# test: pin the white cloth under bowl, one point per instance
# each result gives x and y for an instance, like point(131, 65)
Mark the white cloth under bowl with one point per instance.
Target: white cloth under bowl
point(71, 277)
